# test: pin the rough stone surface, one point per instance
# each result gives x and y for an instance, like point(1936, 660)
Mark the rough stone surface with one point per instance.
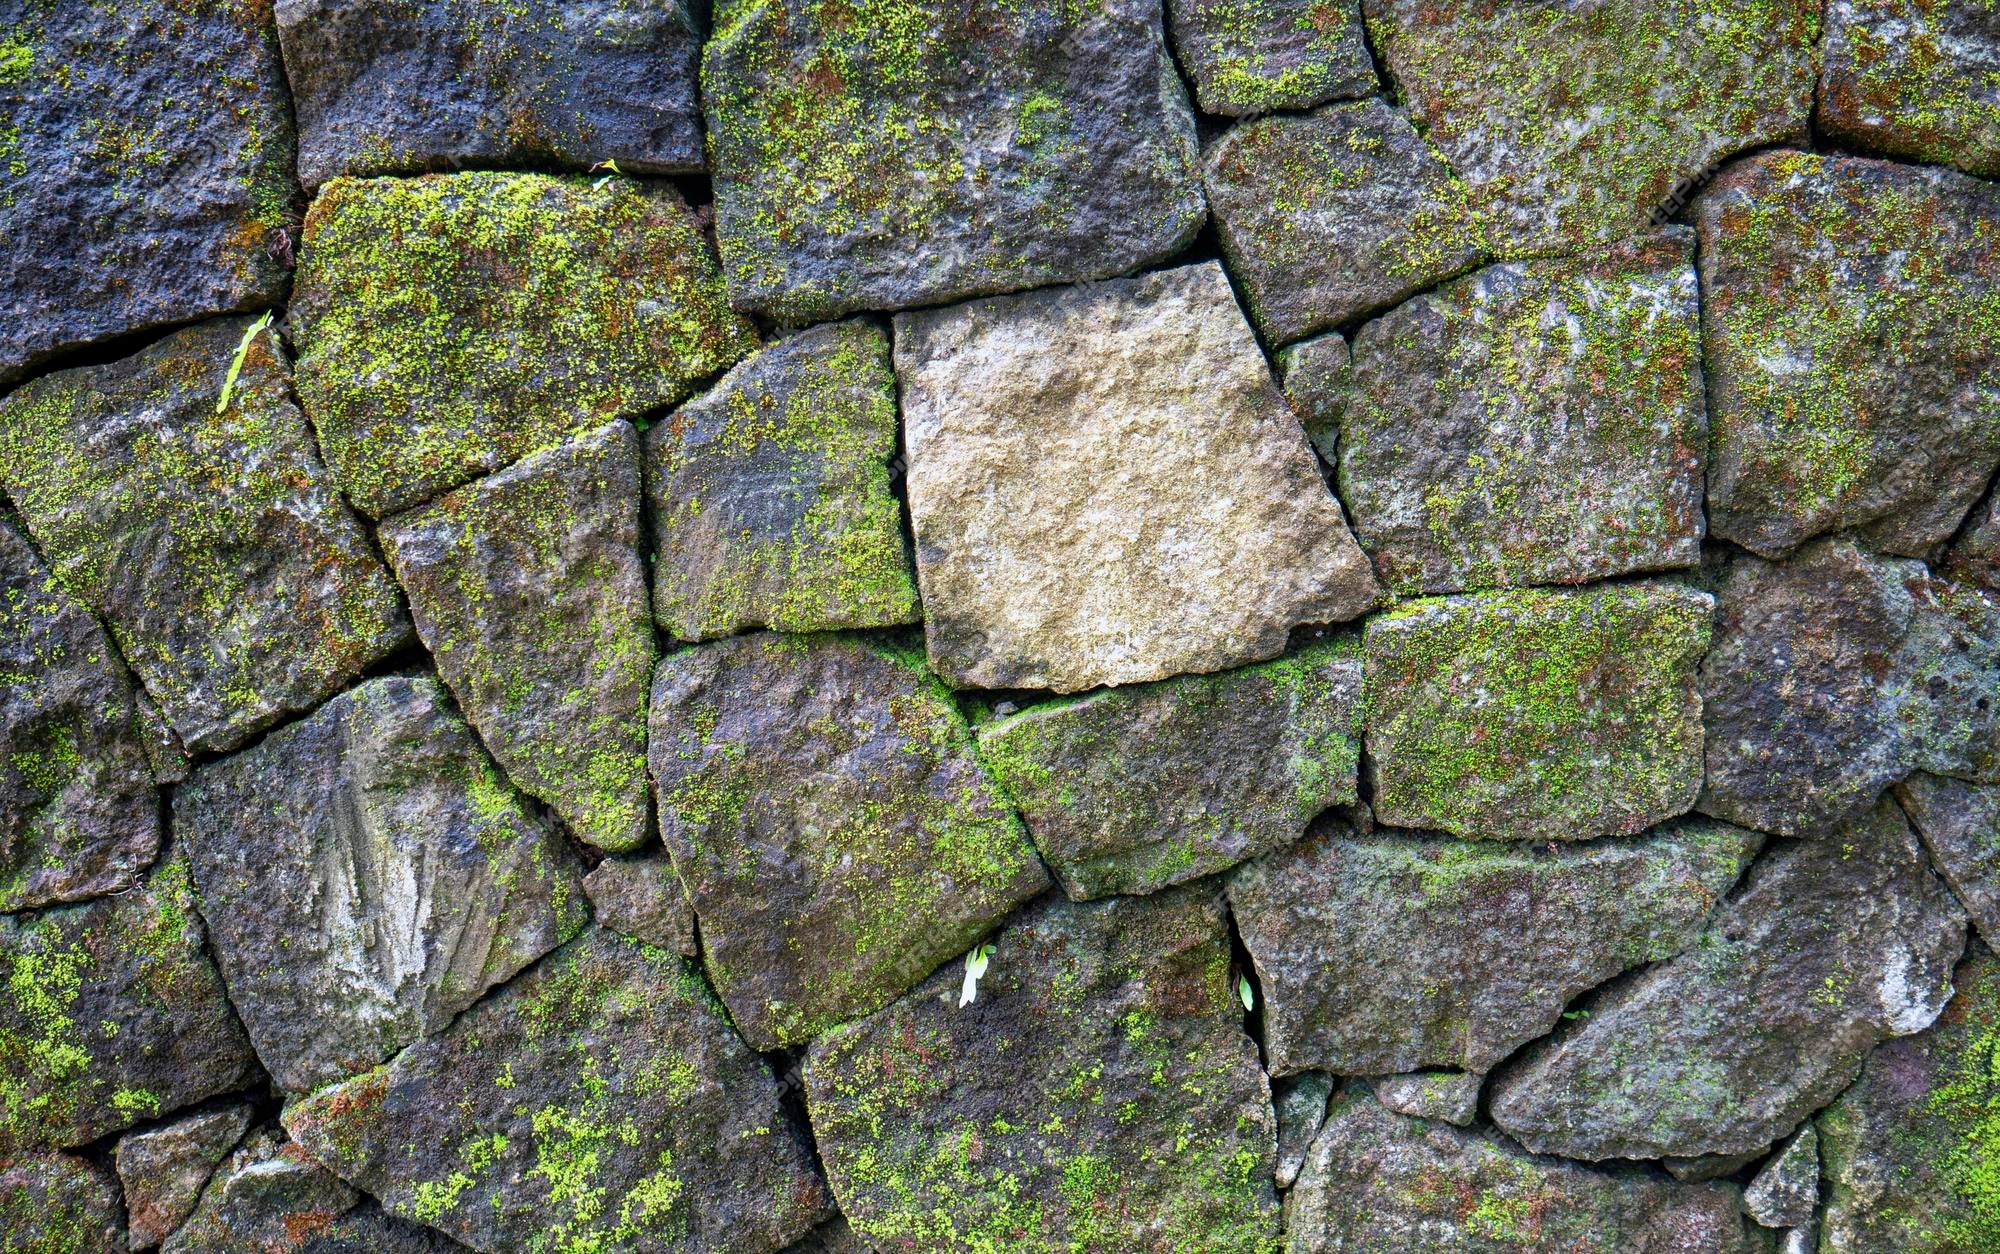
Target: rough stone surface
point(528, 588)
point(79, 815)
point(1393, 953)
point(832, 1237)
point(378, 850)
point(234, 580)
point(1853, 327)
point(1300, 1105)
point(1537, 715)
point(1835, 674)
point(836, 833)
point(1976, 553)
point(387, 87)
point(56, 1204)
point(1207, 533)
point(599, 1101)
point(1449, 1096)
point(112, 1014)
point(1252, 56)
point(146, 158)
point(641, 897)
point(1829, 948)
point(1574, 121)
point(1785, 1193)
point(1129, 1111)
point(1538, 422)
point(272, 1198)
point(1131, 789)
point(1331, 215)
point(1908, 1149)
point(771, 499)
point(162, 1170)
point(1917, 79)
point(1382, 1181)
point(934, 151)
point(1318, 377)
point(1960, 824)
point(450, 324)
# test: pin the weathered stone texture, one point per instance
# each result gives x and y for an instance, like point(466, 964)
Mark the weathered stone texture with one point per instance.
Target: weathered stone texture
point(1785, 1193)
point(1573, 119)
point(1253, 56)
point(56, 1204)
point(1538, 422)
point(1976, 553)
point(528, 588)
point(1853, 349)
point(1918, 79)
point(272, 1198)
point(1206, 533)
point(376, 851)
point(1381, 1181)
point(1332, 215)
point(112, 1014)
point(836, 834)
point(1537, 715)
point(162, 1170)
point(450, 324)
point(234, 580)
point(771, 499)
point(600, 1101)
point(1960, 824)
point(145, 169)
point(1300, 1105)
point(79, 815)
point(1835, 674)
point(1830, 947)
point(1393, 952)
point(391, 87)
point(1447, 1096)
point(882, 159)
point(1908, 1150)
point(1100, 1093)
point(1129, 790)
point(641, 897)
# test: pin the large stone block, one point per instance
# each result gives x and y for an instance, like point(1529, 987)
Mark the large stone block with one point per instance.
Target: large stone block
point(771, 498)
point(1853, 350)
point(1573, 120)
point(1100, 1093)
point(163, 1169)
point(529, 589)
point(1538, 422)
point(451, 324)
point(932, 150)
point(79, 815)
point(209, 539)
point(145, 169)
point(391, 87)
point(112, 1014)
point(368, 874)
point(600, 1101)
point(1537, 715)
point(836, 833)
point(1393, 952)
point(1129, 790)
point(1830, 948)
point(1335, 214)
point(1918, 79)
point(271, 1196)
point(1205, 533)
point(59, 1204)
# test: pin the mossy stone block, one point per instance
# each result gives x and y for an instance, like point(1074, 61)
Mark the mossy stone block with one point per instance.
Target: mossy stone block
point(529, 589)
point(1537, 714)
point(771, 497)
point(1255, 56)
point(1916, 79)
point(451, 324)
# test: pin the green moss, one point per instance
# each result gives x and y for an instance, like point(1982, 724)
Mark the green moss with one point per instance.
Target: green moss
point(452, 324)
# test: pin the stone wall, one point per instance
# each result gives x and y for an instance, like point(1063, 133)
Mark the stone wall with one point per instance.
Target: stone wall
point(1246, 625)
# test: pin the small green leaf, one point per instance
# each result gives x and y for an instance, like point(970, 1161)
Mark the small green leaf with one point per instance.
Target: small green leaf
point(976, 960)
point(236, 365)
point(1245, 993)
point(610, 165)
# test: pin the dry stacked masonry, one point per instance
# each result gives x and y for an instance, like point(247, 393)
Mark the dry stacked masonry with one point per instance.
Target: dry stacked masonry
point(819, 625)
